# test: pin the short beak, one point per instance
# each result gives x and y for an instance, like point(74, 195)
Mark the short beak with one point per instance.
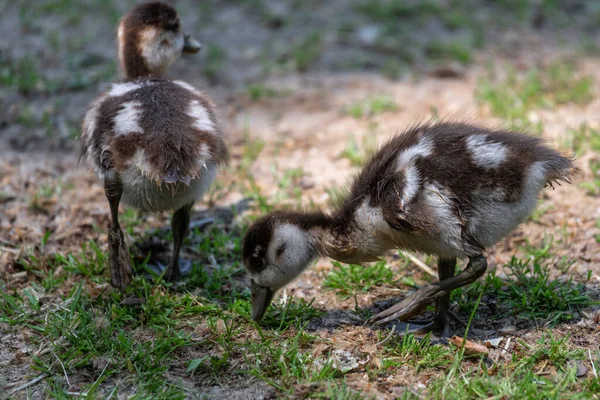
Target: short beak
point(261, 298)
point(191, 45)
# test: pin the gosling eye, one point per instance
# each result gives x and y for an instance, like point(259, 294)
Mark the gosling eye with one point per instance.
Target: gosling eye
point(280, 250)
point(256, 263)
point(173, 26)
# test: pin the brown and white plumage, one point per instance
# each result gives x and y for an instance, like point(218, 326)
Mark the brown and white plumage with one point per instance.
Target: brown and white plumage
point(154, 143)
point(162, 138)
point(448, 189)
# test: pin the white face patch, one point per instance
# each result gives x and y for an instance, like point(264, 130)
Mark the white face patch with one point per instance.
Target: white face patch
point(160, 49)
point(119, 89)
point(201, 117)
point(127, 119)
point(422, 149)
point(288, 254)
point(486, 154)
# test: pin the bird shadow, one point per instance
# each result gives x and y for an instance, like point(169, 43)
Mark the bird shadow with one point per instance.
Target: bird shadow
point(488, 320)
point(152, 252)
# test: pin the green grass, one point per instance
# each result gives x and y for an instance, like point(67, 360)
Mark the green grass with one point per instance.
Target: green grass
point(357, 153)
point(285, 364)
point(307, 51)
point(372, 106)
point(529, 292)
point(421, 354)
point(258, 92)
point(514, 98)
point(214, 62)
point(22, 74)
point(541, 209)
point(517, 380)
point(348, 279)
point(383, 10)
point(592, 187)
point(84, 330)
point(581, 140)
point(441, 51)
point(204, 329)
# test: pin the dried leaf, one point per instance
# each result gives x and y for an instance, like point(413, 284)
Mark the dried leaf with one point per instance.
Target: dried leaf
point(470, 347)
point(376, 361)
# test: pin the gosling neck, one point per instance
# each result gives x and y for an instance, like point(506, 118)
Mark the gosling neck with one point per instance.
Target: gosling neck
point(133, 64)
point(348, 240)
point(334, 239)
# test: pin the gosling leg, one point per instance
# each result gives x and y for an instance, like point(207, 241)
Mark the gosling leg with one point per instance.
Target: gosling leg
point(179, 226)
point(438, 292)
point(119, 262)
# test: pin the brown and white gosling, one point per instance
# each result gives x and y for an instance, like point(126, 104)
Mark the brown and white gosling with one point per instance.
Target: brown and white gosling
point(446, 189)
point(153, 142)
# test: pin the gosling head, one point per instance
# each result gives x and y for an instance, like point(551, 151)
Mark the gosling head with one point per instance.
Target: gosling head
point(277, 248)
point(150, 40)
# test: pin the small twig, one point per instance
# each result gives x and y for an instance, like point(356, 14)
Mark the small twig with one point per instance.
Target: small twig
point(9, 250)
point(63, 368)
point(592, 362)
point(388, 337)
point(4, 241)
point(19, 275)
point(507, 344)
point(28, 384)
point(421, 264)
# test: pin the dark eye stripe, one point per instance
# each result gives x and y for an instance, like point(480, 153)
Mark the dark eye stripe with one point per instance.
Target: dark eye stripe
point(256, 263)
point(173, 26)
point(280, 250)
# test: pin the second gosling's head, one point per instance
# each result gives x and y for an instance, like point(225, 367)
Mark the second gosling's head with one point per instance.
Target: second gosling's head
point(276, 249)
point(150, 40)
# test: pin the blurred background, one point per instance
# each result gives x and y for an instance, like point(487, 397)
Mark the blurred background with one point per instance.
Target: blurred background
point(56, 55)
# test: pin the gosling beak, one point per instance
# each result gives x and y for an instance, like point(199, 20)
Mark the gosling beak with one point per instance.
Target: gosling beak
point(191, 45)
point(261, 298)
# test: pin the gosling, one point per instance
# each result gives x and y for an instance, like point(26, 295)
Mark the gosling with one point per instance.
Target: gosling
point(154, 143)
point(447, 189)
